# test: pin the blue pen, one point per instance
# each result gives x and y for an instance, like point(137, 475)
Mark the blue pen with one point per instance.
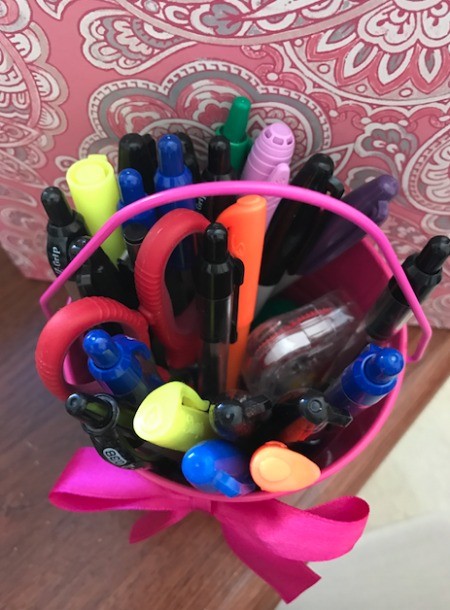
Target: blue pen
point(132, 189)
point(366, 380)
point(216, 466)
point(113, 363)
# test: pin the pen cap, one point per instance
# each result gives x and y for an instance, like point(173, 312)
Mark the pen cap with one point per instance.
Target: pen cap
point(93, 411)
point(173, 416)
point(132, 189)
point(274, 145)
point(56, 206)
point(134, 234)
point(239, 415)
point(433, 256)
point(95, 193)
point(235, 130)
point(170, 152)
point(189, 156)
point(219, 161)
point(136, 152)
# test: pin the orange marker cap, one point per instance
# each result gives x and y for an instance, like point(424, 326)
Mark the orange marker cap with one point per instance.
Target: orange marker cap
point(276, 468)
point(245, 221)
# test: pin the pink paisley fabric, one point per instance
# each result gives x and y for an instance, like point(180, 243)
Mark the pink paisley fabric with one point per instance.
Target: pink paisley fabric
point(365, 81)
point(273, 539)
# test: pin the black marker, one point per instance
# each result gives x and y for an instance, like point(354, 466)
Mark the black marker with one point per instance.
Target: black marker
point(136, 152)
point(133, 235)
point(189, 156)
point(238, 417)
point(218, 169)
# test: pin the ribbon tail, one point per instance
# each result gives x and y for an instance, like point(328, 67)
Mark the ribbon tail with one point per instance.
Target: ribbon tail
point(289, 577)
point(153, 522)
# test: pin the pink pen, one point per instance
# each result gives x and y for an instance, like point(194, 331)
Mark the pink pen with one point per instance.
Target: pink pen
point(269, 160)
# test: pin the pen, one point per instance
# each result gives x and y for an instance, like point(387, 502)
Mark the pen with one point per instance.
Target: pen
point(173, 416)
point(235, 131)
point(216, 466)
point(95, 194)
point(110, 429)
point(63, 227)
point(139, 153)
point(216, 279)
point(218, 169)
point(292, 223)
point(245, 221)
point(132, 189)
point(189, 156)
point(113, 362)
point(133, 236)
point(238, 416)
point(269, 159)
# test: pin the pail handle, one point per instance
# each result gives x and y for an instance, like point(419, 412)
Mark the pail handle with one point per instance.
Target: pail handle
point(267, 189)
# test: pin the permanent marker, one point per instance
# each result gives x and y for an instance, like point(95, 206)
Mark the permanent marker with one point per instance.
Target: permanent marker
point(189, 156)
point(235, 130)
point(138, 152)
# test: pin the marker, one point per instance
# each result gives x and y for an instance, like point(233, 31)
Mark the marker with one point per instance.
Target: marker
point(238, 417)
point(189, 156)
point(173, 416)
point(139, 153)
point(235, 130)
point(424, 272)
point(292, 223)
point(269, 159)
point(133, 235)
point(131, 190)
point(110, 430)
point(245, 221)
point(63, 227)
point(95, 193)
point(298, 415)
point(216, 277)
point(216, 466)
point(114, 364)
point(367, 380)
point(276, 468)
point(218, 169)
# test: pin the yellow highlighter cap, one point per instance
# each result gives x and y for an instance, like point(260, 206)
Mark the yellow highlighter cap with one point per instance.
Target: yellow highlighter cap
point(94, 171)
point(173, 416)
point(275, 468)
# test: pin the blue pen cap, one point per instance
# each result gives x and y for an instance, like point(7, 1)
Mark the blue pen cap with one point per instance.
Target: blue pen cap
point(372, 375)
point(216, 466)
point(132, 189)
point(170, 154)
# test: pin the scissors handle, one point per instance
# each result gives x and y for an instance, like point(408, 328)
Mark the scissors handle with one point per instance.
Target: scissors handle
point(179, 337)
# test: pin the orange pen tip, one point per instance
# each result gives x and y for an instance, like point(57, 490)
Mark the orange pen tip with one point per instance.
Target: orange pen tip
point(252, 200)
point(275, 468)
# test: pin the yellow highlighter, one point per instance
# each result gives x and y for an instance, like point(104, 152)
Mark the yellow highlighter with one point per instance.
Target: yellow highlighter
point(173, 416)
point(95, 194)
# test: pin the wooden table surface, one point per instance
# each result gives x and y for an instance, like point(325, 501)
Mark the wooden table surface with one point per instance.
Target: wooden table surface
point(56, 560)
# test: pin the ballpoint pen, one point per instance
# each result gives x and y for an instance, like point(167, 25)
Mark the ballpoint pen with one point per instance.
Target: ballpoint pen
point(235, 130)
point(217, 275)
point(219, 169)
point(292, 222)
point(139, 153)
point(269, 159)
point(245, 221)
point(132, 189)
point(95, 193)
point(189, 156)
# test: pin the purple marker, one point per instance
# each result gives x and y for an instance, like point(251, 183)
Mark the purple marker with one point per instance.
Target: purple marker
point(269, 159)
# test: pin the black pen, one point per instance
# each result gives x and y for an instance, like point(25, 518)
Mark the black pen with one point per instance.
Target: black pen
point(189, 156)
point(217, 276)
point(218, 169)
point(139, 153)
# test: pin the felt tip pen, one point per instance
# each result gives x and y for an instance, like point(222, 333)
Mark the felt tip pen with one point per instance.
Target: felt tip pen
point(269, 159)
point(237, 416)
point(109, 427)
point(216, 276)
point(139, 153)
point(113, 362)
point(95, 194)
point(189, 156)
point(216, 466)
point(131, 190)
point(235, 130)
point(63, 228)
point(173, 416)
point(424, 272)
point(219, 169)
point(367, 380)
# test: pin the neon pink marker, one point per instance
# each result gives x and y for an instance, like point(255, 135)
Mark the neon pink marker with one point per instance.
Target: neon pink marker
point(269, 159)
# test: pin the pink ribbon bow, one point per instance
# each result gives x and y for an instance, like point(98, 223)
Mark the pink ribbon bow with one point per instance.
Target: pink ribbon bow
point(273, 539)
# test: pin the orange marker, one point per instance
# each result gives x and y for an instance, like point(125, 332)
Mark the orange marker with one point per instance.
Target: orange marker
point(276, 468)
point(245, 221)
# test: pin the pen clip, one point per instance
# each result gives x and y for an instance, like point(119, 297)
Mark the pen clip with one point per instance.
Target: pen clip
point(238, 280)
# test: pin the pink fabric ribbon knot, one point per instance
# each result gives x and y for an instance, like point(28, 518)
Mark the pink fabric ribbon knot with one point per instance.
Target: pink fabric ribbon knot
point(273, 539)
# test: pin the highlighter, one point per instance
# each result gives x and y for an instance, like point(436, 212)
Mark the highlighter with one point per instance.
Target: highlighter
point(276, 468)
point(246, 223)
point(216, 466)
point(235, 131)
point(173, 416)
point(95, 193)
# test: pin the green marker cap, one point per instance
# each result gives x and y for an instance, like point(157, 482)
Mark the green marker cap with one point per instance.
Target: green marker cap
point(235, 130)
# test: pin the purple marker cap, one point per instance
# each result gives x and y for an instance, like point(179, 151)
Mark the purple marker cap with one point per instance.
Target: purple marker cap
point(372, 199)
point(274, 145)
